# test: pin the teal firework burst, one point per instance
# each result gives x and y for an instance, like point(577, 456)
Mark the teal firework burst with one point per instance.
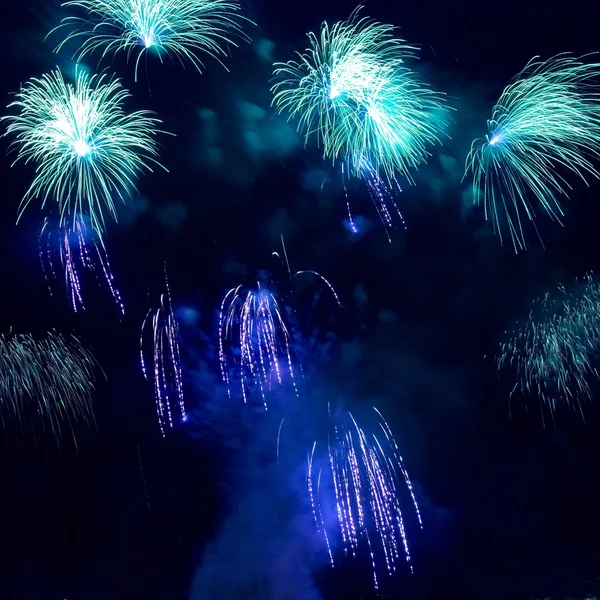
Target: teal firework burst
point(184, 29)
point(553, 353)
point(86, 148)
point(544, 128)
point(392, 131)
point(352, 92)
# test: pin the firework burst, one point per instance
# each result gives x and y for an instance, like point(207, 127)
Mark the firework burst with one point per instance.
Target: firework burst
point(352, 92)
point(336, 75)
point(184, 29)
point(254, 339)
point(86, 148)
point(78, 248)
point(254, 336)
point(553, 353)
point(545, 126)
point(356, 484)
point(52, 378)
point(166, 360)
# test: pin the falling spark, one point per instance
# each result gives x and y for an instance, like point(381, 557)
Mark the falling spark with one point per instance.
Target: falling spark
point(363, 472)
point(79, 247)
point(254, 337)
point(251, 321)
point(167, 375)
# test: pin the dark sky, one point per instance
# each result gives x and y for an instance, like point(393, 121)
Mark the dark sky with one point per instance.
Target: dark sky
point(510, 507)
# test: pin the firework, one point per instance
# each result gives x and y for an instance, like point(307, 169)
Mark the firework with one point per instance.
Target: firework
point(52, 378)
point(78, 248)
point(86, 148)
point(553, 352)
point(166, 359)
point(545, 126)
point(335, 76)
point(254, 339)
point(352, 92)
point(183, 29)
point(358, 480)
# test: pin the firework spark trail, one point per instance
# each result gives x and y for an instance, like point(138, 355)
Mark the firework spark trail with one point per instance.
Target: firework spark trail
point(86, 148)
point(365, 471)
point(545, 126)
point(325, 281)
point(254, 338)
point(167, 376)
point(553, 352)
point(252, 325)
point(74, 252)
point(182, 29)
point(352, 92)
point(52, 378)
point(381, 193)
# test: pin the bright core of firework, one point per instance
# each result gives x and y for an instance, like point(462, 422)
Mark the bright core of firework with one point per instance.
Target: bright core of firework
point(166, 359)
point(87, 149)
point(357, 478)
point(185, 29)
point(254, 340)
point(81, 148)
point(553, 353)
point(52, 378)
point(548, 123)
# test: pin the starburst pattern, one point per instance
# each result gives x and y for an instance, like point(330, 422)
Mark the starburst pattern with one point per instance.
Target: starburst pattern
point(184, 29)
point(86, 148)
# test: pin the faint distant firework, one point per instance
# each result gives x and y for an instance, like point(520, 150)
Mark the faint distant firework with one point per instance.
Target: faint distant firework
point(554, 352)
point(354, 485)
point(352, 93)
point(181, 29)
point(544, 128)
point(86, 148)
point(50, 379)
point(166, 360)
point(72, 249)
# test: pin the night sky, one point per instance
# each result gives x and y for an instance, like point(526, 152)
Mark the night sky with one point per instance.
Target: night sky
point(509, 506)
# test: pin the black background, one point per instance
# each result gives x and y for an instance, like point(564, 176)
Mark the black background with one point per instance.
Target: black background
point(510, 507)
